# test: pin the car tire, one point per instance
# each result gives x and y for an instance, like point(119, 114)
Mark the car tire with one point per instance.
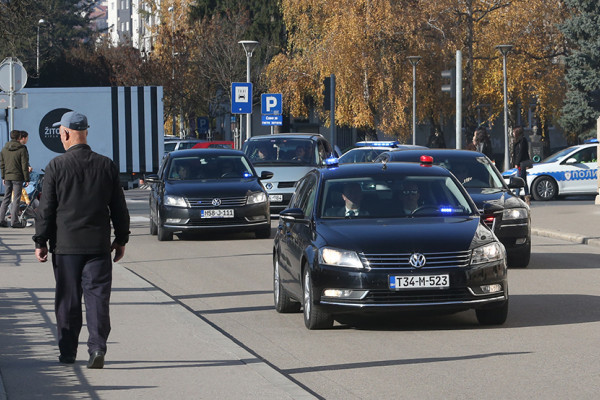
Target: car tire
point(544, 188)
point(164, 235)
point(263, 233)
point(492, 316)
point(283, 302)
point(153, 227)
point(313, 318)
point(519, 258)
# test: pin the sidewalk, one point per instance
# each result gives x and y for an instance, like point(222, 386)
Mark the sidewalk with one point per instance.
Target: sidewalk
point(157, 348)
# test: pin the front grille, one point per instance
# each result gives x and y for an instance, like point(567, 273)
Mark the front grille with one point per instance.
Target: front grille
point(400, 260)
point(283, 185)
point(206, 202)
point(417, 296)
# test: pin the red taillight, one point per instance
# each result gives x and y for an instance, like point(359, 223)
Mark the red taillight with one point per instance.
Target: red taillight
point(489, 220)
point(426, 161)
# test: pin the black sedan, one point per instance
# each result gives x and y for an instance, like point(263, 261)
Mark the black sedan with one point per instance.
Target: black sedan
point(205, 190)
point(508, 215)
point(377, 237)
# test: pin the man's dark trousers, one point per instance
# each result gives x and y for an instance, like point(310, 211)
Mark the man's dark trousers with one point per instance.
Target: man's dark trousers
point(89, 275)
point(12, 193)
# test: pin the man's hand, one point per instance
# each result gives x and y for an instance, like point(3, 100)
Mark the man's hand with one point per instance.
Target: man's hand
point(119, 251)
point(42, 254)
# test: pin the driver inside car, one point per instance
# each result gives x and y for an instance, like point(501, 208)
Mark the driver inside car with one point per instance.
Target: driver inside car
point(410, 197)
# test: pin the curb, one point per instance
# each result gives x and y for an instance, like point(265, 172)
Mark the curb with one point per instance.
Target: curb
point(569, 237)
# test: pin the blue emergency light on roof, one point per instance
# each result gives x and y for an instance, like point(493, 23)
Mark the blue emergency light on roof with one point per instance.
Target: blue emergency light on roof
point(332, 162)
point(426, 161)
point(594, 140)
point(365, 143)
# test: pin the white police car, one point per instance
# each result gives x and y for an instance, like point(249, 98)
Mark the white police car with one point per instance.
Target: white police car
point(571, 171)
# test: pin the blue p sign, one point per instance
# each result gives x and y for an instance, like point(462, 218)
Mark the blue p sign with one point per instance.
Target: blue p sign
point(271, 104)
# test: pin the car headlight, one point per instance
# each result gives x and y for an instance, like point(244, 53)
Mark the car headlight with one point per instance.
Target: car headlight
point(490, 252)
point(340, 258)
point(175, 201)
point(258, 197)
point(514, 213)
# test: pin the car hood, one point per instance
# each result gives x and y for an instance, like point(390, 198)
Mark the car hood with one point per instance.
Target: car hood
point(283, 173)
point(213, 188)
point(500, 197)
point(401, 235)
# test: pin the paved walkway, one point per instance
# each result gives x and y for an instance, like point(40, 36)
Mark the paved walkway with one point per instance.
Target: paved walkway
point(158, 349)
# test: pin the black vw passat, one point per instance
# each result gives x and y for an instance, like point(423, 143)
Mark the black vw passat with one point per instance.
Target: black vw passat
point(205, 190)
point(386, 237)
point(509, 217)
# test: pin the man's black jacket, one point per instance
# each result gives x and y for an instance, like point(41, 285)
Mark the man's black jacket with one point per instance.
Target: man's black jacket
point(81, 194)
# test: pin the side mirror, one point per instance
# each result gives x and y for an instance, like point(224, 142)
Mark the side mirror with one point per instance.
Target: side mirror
point(571, 160)
point(292, 214)
point(151, 178)
point(491, 208)
point(516, 182)
point(266, 175)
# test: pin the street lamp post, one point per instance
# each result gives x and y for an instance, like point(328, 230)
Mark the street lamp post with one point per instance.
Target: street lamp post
point(505, 49)
point(249, 46)
point(414, 60)
point(37, 58)
point(171, 10)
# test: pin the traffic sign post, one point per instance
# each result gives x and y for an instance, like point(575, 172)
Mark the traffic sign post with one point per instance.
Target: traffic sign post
point(13, 78)
point(241, 98)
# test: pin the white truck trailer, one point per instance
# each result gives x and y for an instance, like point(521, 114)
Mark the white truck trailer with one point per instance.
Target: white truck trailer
point(126, 125)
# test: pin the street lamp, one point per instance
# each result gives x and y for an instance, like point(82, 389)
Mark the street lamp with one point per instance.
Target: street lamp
point(249, 46)
point(37, 58)
point(414, 60)
point(505, 49)
point(171, 10)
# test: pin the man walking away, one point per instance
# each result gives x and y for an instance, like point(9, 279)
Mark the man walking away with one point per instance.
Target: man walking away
point(520, 158)
point(81, 195)
point(14, 164)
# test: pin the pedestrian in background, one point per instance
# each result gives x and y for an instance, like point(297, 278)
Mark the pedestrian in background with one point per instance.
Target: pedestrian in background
point(436, 140)
point(482, 142)
point(24, 138)
point(520, 158)
point(14, 165)
point(81, 195)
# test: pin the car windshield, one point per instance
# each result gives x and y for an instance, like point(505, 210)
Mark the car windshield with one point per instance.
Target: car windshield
point(360, 155)
point(393, 197)
point(209, 167)
point(558, 156)
point(281, 151)
point(472, 172)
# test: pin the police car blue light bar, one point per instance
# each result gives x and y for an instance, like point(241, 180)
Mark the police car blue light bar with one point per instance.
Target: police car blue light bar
point(332, 162)
point(371, 143)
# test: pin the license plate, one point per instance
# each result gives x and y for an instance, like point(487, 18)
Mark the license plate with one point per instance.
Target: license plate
point(276, 198)
point(216, 213)
point(419, 282)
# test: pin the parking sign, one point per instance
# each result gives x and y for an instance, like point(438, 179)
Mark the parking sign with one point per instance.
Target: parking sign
point(271, 104)
point(241, 98)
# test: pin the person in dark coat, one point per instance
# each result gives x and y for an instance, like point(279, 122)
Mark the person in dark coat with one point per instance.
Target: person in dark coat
point(436, 140)
point(482, 142)
point(520, 157)
point(81, 196)
point(14, 164)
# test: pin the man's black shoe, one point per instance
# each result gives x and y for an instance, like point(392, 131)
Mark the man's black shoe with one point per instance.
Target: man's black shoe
point(96, 360)
point(66, 359)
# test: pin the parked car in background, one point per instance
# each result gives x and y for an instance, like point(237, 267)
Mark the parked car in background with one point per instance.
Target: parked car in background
point(503, 211)
point(202, 190)
point(180, 144)
point(355, 240)
point(367, 151)
point(570, 171)
point(289, 156)
point(214, 144)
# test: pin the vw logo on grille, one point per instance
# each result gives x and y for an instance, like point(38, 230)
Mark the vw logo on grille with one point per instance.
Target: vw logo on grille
point(216, 202)
point(417, 260)
point(269, 186)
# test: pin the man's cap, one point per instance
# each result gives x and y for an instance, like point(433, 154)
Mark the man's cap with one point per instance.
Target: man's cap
point(73, 120)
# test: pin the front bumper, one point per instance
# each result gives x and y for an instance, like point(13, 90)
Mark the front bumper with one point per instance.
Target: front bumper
point(464, 292)
point(247, 218)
